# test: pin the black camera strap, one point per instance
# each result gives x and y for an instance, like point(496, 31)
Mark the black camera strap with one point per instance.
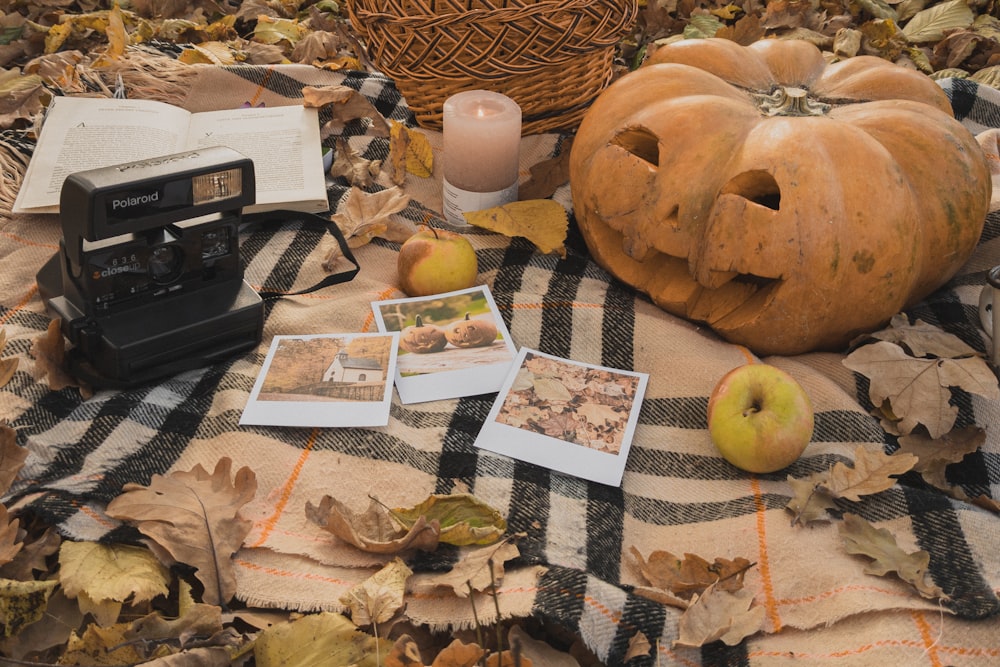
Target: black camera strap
point(307, 220)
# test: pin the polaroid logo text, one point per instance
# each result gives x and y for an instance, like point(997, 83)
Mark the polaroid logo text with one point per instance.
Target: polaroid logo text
point(127, 202)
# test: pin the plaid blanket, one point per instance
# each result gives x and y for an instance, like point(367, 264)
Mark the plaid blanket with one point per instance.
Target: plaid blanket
point(576, 567)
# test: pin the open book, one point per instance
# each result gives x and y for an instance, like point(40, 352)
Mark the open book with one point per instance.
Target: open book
point(82, 133)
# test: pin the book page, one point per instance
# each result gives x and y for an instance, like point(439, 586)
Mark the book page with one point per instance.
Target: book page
point(283, 143)
point(81, 133)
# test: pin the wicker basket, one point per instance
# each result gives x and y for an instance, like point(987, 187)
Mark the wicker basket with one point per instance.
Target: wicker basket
point(553, 57)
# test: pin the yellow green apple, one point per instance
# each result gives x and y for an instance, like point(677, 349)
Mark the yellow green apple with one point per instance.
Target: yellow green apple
point(433, 261)
point(760, 418)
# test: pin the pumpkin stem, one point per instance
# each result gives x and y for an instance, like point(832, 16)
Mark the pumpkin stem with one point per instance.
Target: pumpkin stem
point(789, 101)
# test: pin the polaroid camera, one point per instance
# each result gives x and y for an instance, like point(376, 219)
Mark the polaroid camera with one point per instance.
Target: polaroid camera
point(148, 280)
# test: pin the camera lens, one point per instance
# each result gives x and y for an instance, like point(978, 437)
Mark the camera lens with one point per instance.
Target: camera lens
point(165, 263)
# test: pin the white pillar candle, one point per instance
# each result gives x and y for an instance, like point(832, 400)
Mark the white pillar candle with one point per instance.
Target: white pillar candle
point(482, 140)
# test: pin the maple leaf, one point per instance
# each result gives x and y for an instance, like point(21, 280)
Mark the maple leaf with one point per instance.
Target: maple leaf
point(377, 599)
point(862, 538)
point(548, 175)
point(872, 472)
point(719, 615)
point(810, 501)
point(923, 339)
point(374, 530)
point(194, 517)
point(919, 388)
point(12, 457)
point(936, 454)
point(325, 638)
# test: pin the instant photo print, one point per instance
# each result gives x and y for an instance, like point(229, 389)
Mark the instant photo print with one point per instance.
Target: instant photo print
point(148, 279)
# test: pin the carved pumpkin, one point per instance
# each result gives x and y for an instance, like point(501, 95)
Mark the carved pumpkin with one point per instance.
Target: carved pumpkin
point(788, 203)
point(422, 338)
point(471, 333)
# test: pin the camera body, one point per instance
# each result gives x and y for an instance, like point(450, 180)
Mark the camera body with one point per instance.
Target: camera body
point(148, 280)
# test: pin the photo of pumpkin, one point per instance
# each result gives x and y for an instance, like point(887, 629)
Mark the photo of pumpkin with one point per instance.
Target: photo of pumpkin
point(788, 203)
point(469, 332)
point(421, 338)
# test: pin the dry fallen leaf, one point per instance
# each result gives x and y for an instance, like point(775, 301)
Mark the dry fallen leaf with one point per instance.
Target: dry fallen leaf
point(872, 472)
point(936, 454)
point(12, 457)
point(399, 146)
point(194, 517)
point(548, 175)
point(10, 544)
point(919, 389)
point(692, 575)
point(810, 501)
point(478, 569)
point(346, 104)
point(638, 646)
point(103, 576)
point(459, 654)
point(22, 603)
point(49, 351)
point(718, 615)
point(862, 538)
point(544, 222)
point(374, 530)
point(379, 597)
point(363, 216)
point(463, 519)
point(318, 639)
point(351, 165)
point(923, 339)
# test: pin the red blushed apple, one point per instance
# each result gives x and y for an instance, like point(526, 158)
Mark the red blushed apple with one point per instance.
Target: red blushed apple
point(759, 418)
point(433, 261)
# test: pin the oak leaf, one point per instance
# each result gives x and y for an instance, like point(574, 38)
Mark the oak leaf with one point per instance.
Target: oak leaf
point(12, 457)
point(374, 530)
point(692, 575)
point(871, 473)
point(363, 216)
point(7, 364)
point(810, 501)
point(49, 351)
point(194, 621)
point(194, 517)
point(919, 388)
point(548, 175)
point(103, 576)
point(544, 222)
point(346, 104)
point(862, 538)
point(478, 569)
point(462, 518)
point(459, 654)
point(719, 615)
point(377, 599)
point(351, 165)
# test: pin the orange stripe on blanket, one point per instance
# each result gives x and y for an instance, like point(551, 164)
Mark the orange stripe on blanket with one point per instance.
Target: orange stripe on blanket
point(814, 658)
point(20, 304)
point(28, 242)
point(763, 562)
point(261, 88)
point(927, 635)
point(247, 565)
point(286, 491)
point(808, 599)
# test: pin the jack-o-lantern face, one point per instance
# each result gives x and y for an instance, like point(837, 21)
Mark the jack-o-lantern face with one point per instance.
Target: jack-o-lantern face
point(788, 204)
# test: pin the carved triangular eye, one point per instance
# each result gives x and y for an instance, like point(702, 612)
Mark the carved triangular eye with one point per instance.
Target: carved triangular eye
point(641, 143)
point(756, 186)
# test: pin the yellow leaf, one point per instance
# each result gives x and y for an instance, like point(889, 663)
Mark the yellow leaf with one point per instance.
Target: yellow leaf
point(326, 639)
point(105, 646)
point(419, 155)
point(377, 599)
point(374, 530)
point(542, 221)
point(208, 53)
point(22, 603)
point(110, 573)
point(117, 36)
point(271, 30)
point(56, 36)
point(399, 147)
point(463, 518)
